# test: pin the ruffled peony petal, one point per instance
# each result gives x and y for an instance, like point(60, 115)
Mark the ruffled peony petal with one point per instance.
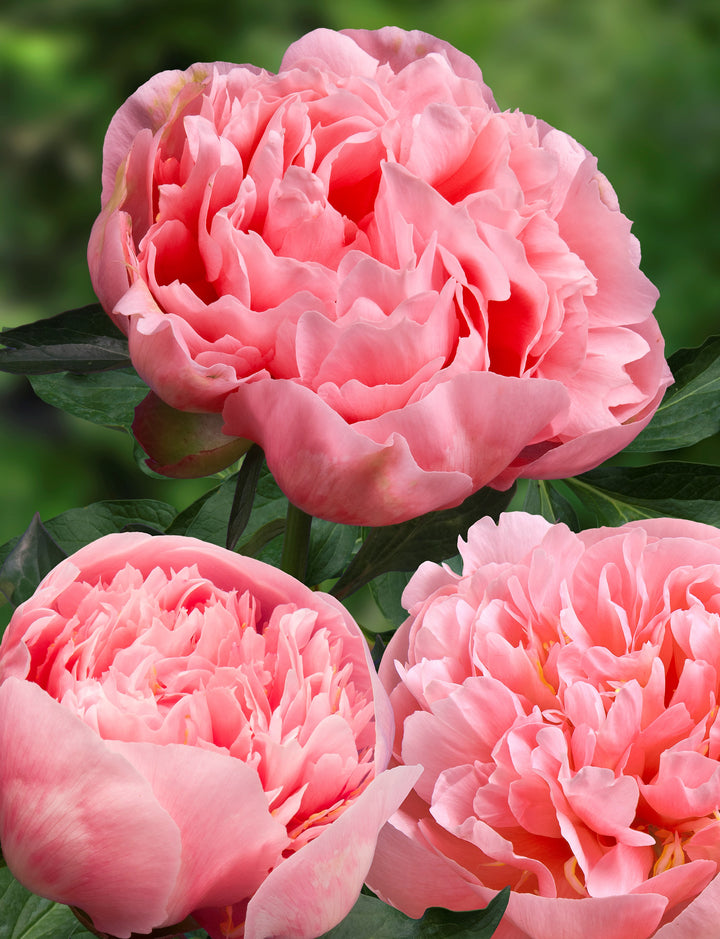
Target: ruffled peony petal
point(79, 824)
point(617, 917)
point(388, 483)
point(699, 919)
point(379, 483)
point(409, 874)
point(316, 888)
point(230, 840)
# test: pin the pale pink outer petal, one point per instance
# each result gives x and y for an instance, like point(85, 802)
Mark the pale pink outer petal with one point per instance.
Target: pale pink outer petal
point(160, 351)
point(149, 107)
point(399, 47)
point(396, 651)
point(329, 49)
point(229, 838)
point(111, 259)
point(330, 470)
point(632, 916)
point(699, 920)
point(227, 570)
point(316, 888)
point(408, 874)
point(424, 457)
point(510, 540)
point(79, 824)
point(370, 48)
point(583, 453)
point(660, 528)
point(426, 580)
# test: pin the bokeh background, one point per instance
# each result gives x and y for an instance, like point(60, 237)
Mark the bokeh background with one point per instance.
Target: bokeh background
point(636, 81)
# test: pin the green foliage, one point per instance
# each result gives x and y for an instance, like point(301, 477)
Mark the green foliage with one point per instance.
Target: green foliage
point(542, 498)
point(331, 545)
point(387, 590)
point(245, 486)
point(106, 398)
point(615, 495)
point(690, 410)
point(82, 340)
point(25, 916)
point(26, 560)
point(207, 518)
point(372, 919)
point(431, 537)
point(30, 559)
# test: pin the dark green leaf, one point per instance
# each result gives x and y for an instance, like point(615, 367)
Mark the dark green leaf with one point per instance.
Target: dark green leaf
point(270, 506)
point(182, 522)
point(244, 496)
point(372, 919)
point(615, 494)
point(377, 651)
point(690, 410)
point(542, 498)
point(430, 537)
point(107, 398)
point(331, 545)
point(387, 591)
point(45, 360)
point(84, 324)
point(25, 916)
point(75, 528)
point(34, 555)
point(207, 518)
point(82, 340)
point(255, 546)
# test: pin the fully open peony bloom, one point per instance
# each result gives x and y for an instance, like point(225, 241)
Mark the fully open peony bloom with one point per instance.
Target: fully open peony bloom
point(400, 292)
point(562, 694)
point(184, 730)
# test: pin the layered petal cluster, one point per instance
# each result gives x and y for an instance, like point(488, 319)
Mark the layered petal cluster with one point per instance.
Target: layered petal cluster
point(185, 730)
point(400, 292)
point(562, 695)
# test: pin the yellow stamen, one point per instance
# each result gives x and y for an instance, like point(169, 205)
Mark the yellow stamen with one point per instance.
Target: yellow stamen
point(228, 928)
point(543, 679)
point(672, 855)
point(571, 875)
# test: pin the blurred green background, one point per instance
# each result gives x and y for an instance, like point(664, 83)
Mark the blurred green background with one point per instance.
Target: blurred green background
point(636, 81)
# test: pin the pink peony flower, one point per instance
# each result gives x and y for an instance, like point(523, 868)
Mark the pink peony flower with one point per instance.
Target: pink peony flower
point(562, 695)
point(185, 730)
point(400, 292)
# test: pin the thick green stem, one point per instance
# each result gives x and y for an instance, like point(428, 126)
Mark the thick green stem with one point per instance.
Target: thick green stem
point(296, 545)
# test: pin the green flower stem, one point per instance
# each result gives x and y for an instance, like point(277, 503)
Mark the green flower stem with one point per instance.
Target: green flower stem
point(296, 545)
